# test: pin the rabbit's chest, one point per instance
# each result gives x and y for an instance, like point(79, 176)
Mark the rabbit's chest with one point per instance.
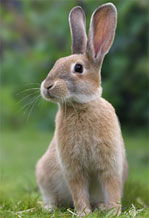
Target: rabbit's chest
point(79, 143)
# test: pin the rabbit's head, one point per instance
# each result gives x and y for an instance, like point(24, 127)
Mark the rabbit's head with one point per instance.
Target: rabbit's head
point(77, 77)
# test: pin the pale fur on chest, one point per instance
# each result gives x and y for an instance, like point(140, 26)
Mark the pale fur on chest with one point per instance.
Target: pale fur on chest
point(86, 141)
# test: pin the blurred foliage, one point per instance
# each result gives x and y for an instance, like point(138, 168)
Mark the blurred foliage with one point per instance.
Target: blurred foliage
point(35, 33)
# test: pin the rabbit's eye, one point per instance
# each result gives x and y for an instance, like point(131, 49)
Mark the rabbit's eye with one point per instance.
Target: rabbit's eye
point(78, 68)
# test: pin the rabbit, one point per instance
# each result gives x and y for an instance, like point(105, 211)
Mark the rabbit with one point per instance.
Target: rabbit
point(85, 165)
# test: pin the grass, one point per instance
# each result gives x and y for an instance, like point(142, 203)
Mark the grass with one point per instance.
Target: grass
point(20, 198)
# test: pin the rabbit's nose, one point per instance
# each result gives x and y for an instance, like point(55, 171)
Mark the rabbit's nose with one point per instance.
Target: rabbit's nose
point(50, 86)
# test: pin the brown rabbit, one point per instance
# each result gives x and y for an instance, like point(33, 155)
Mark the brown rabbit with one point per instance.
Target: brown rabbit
point(85, 164)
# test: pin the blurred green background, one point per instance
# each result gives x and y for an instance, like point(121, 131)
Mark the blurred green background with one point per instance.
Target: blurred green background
point(34, 34)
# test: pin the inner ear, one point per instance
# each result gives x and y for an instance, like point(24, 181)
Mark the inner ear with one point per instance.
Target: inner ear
point(102, 31)
point(77, 22)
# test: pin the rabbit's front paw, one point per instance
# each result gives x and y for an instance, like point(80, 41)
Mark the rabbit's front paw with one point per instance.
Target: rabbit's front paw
point(84, 212)
point(115, 208)
point(49, 208)
point(101, 206)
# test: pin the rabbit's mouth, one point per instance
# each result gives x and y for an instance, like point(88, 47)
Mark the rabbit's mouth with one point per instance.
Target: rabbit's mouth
point(45, 93)
point(54, 92)
point(48, 96)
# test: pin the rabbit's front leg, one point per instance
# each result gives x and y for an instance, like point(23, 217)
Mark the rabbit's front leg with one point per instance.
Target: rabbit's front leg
point(79, 190)
point(112, 192)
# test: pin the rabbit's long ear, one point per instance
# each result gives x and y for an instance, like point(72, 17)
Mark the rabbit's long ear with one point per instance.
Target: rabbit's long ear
point(101, 32)
point(77, 22)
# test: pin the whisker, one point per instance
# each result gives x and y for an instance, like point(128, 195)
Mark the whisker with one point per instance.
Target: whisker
point(26, 90)
point(39, 103)
point(73, 107)
point(33, 105)
point(29, 103)
point(64, 103)
point(26, 84)
point(25, 97)
point(28, 106)
point(65, 109)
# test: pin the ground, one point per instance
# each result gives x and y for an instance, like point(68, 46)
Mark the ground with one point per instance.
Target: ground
point(19, 195)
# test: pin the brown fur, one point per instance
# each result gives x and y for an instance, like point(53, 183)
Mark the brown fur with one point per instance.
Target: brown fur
point(85, 164)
